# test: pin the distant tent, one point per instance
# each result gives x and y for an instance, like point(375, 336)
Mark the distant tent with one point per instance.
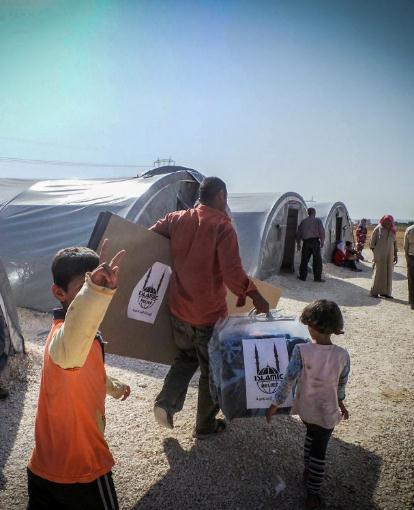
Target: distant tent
point(49, 215)
point(11, 338)
point(266, 225)
point(337, 223)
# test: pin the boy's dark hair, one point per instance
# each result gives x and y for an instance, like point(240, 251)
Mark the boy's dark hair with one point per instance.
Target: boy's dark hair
point(210, 187)
point(311, 211)
point(348, 243)
point(324, 316)
point(71, 262)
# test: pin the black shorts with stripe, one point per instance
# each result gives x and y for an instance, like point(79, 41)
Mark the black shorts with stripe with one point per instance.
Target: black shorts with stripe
point(97, 495)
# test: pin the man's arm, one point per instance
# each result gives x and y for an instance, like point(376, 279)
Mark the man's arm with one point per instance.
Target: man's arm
point(321, 230)
point(233, 273)
point(406, 244)
point(71, 344)
point(162, 227)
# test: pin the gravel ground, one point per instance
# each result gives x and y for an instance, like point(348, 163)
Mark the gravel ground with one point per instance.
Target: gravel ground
point(370, 458)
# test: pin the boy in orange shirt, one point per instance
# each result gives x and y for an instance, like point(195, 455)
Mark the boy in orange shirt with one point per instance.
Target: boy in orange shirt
point(71, 464)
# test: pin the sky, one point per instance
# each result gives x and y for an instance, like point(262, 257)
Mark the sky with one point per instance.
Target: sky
point(315, 96)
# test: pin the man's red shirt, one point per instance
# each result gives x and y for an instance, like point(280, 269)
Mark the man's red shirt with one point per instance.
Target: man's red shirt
point(206, 259)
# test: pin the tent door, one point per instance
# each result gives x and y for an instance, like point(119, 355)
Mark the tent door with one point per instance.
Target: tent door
point(290, 240)
point(338, 235)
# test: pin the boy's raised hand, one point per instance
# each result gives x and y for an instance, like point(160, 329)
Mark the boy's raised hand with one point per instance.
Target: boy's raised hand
point(106, 274)
point(270, 412)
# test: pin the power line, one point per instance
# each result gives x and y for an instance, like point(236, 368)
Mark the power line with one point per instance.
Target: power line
point(4, 159)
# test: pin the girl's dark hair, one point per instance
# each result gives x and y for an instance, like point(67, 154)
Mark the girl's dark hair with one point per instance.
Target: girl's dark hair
point(324, 316)
point(71, 262)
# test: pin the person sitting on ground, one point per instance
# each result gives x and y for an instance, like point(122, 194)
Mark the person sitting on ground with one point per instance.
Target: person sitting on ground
point(321, 370)
point(346, 256)
point(71, 464)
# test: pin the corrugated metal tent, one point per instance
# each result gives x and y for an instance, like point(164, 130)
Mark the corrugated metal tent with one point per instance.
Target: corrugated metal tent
point(49, 215)
point(266, 225)
point(337, 223)
point(11, 338)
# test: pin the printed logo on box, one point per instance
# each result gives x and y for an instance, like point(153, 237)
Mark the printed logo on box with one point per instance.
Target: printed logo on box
point(269, 377)
point(148, 294)
point(265, 364)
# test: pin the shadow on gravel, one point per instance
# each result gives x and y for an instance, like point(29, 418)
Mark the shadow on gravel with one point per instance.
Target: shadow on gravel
point(239, 470)
point(11, 409)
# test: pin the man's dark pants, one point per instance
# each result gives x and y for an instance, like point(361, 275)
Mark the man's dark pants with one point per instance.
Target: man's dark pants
point(311, 248)
point(192, 342)
point(410, 276)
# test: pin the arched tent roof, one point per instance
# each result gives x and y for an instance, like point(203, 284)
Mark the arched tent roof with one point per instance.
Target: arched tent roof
point(54, 214)
point(265, 223)
point(337, 223)
point(11, 338)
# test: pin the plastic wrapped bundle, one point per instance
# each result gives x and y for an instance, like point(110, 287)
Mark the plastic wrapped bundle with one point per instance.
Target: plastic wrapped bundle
point(248, 359)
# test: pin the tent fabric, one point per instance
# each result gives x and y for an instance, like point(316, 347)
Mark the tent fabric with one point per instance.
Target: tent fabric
point(337, 223)
point(54, 214)
point(11, 338)
point(261, 222)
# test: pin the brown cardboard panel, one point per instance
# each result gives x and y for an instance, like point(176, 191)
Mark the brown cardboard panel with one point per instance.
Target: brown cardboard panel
point(269, 292)
point(125, 336)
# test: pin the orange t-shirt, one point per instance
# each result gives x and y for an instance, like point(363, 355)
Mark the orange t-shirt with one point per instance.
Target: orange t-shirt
point(69, 442)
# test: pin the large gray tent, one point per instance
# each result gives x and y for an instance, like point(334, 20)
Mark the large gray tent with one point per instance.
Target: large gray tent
point(11, 338)
point(337, 223)
point(266, 225)
point(46, 216)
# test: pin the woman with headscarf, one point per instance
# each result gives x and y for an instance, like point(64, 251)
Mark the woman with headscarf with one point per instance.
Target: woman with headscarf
point(361, 237)
point(384, 246)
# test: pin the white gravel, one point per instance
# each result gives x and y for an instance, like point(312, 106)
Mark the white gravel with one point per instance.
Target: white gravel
point(370, 458)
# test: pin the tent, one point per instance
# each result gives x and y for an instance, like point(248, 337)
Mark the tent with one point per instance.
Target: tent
point(337, 223)
point(49, 215)
point(266, 225)
point(11, 338)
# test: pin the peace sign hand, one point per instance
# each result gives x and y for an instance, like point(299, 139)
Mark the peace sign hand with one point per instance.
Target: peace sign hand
point(106, 274)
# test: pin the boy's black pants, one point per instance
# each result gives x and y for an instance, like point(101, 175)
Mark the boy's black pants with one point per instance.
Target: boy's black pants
point(311, 248)
point(97, 495)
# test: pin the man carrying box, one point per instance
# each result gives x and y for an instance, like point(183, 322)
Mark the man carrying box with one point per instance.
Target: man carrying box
point(206, 259)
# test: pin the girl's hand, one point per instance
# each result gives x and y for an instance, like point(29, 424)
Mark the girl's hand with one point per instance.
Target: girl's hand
point(270, 412)
point(344, 411)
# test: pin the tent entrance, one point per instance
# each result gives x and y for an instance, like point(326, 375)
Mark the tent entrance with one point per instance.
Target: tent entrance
point(338, 234)
point(290, 240)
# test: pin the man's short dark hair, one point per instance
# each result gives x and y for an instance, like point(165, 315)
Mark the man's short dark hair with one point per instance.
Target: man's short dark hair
point(324, 316)
point(348, 243)
point(311, 211)
point(71, 262)
point(210, 188)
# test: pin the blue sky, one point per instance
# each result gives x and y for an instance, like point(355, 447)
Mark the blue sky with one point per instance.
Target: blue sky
point(309, 96)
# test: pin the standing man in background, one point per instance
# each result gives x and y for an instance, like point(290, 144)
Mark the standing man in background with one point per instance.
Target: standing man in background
point(312, 233)
point(206, 259)
point(409, 255)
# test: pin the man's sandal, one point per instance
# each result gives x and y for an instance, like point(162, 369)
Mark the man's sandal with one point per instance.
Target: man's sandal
point(219, 427)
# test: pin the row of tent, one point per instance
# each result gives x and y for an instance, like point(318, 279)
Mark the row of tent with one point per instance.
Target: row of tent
point(37, 218)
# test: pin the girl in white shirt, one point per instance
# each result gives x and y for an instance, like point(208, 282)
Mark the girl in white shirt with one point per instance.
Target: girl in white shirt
point(321, 370)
